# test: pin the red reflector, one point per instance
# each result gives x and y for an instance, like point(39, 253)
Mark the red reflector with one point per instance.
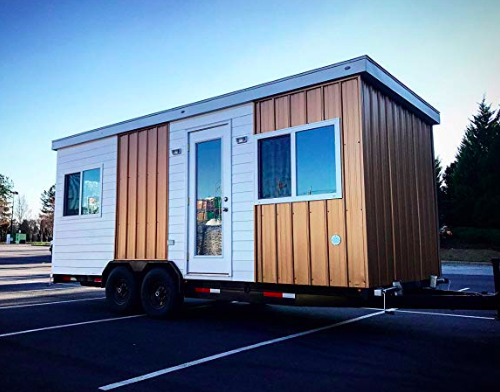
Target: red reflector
point(66, 278)
point(202, 290)
point(272, 294)
point(98, 280)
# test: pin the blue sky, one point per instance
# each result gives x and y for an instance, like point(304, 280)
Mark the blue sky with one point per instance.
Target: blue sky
point(70, 66)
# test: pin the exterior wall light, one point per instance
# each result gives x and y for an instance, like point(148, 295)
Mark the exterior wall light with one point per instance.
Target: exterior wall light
point(177, 151)
point(241, 139)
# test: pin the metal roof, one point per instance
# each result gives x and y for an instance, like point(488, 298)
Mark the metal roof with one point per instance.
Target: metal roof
point(360, 65)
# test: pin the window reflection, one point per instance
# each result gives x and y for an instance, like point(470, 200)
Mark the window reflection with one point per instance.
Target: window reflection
point(315, 156)
point(274, 167)
point(91, 193)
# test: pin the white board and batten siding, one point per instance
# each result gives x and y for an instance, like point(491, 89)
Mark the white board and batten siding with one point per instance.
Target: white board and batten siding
point(84, 244)
point(240, 119)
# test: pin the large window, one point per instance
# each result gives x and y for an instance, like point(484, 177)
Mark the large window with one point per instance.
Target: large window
point(82, 193)
point(300, 163)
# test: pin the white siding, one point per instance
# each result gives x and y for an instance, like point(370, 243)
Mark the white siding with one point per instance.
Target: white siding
point(242, 203)
point(83, 245)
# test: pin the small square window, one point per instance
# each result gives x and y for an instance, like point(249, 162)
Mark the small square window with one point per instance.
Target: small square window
point(82, 193)
point(275, 170)
point(301, 163)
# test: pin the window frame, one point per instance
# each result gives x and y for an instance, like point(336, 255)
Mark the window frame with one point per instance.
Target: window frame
point(292, 131)
point(80, 215)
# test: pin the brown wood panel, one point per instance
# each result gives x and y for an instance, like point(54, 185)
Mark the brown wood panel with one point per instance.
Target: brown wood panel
point(141, 193)
point(337, 254)
point(162, 194)
point(132, 197)
point(285, 243)
point(269, 249)
point(320, 272)
point(354, 184)
point(151, 193)
point(314, 105)
point(301, 243)
point(122, 199)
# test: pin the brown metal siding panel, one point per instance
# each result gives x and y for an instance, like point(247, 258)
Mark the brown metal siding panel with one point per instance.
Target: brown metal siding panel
point(269, 249)
point(162, 194)
point(319, 243)
point(337, 254)
point(132, 197)
point(285, 243)
point(314, 102)
point(399, 200)
point(301, 243)
point(151, 193)
point(354, 184)
point(313, 259)
point(122, 186)
point(142, 195)
point(298, 109)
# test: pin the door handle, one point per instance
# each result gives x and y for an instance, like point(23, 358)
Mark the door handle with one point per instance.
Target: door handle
point(225, 209)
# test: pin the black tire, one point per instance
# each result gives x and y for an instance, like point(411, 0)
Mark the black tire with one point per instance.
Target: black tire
point(160, 294)
point(122, 291)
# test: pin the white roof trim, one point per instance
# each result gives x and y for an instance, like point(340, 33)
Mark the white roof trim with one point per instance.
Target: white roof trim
point(358, 65)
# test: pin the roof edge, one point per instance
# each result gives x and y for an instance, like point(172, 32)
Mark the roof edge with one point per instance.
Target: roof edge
point(358, 65)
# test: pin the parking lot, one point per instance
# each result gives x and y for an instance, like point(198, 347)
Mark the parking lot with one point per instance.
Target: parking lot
point(63, 338)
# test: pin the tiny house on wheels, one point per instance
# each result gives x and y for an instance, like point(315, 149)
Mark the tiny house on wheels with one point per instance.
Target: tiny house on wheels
point(311, 187)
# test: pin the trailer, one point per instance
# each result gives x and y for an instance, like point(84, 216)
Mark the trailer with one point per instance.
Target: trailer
point(314, 189)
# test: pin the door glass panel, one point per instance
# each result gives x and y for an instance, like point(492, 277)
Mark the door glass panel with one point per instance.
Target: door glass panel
point(208, 198)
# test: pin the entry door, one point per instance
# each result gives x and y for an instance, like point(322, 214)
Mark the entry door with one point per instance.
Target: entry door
point(209, 201)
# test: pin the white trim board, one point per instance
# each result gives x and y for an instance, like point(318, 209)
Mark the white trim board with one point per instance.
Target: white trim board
point(357, 66)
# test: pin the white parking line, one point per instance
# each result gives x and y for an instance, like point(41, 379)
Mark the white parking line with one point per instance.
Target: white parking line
point(68, 325)
point(231, 352)
point(447, 314)
point(464, 289)
point(50, 303)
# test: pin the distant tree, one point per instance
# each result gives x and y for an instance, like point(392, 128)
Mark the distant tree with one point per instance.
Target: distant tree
point(48, 200)
point(438, 170)
point(21, 209)
point(6, 186)
point(30, 228)
point(473, 179)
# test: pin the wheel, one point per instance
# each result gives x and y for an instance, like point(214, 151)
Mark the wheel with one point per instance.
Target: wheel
point(122, 291)
point(160, 294)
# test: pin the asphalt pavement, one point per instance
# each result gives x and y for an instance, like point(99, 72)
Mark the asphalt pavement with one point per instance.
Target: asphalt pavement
point(63, 338)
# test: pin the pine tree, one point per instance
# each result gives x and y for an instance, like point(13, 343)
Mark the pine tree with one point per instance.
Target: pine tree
point(473, 180)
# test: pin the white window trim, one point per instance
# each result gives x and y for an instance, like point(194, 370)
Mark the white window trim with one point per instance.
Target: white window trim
point(80, 215)
point(293, 164)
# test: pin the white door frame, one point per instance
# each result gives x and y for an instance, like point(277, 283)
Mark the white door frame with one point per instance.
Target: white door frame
point(210, 265)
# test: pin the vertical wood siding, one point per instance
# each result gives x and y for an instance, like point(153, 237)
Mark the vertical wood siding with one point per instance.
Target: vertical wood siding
point(293, 239)
point(142, 193)
point(400, 196)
